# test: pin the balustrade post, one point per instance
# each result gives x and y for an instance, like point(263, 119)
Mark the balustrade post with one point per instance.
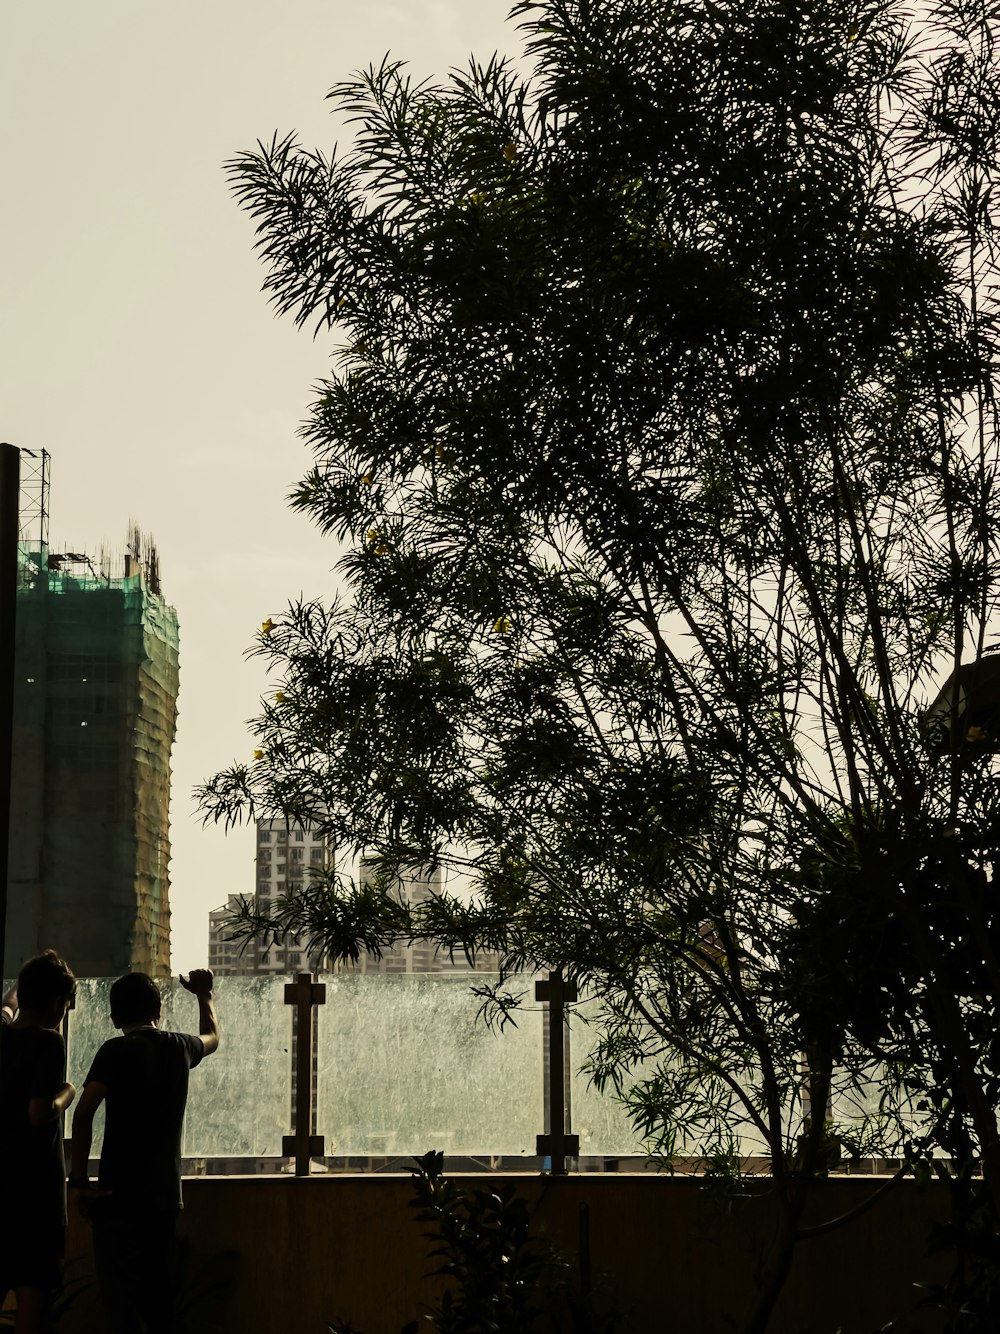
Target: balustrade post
point(557, 1144)
point(302, 1144)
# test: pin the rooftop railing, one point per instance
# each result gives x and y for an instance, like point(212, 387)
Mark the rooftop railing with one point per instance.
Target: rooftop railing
point(399, 1064)
point(357, 1071)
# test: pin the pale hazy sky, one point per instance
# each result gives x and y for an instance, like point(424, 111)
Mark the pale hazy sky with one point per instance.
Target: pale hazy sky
point(135, 344)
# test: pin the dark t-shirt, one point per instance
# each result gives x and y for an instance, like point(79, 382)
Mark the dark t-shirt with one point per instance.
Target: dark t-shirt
point(32, 1170)
point(146, 1075)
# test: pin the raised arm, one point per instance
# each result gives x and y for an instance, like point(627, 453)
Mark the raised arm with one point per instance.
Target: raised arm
point(199, 982)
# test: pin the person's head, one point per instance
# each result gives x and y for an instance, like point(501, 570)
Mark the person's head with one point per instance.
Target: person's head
point(135, 999)
point(45, 986)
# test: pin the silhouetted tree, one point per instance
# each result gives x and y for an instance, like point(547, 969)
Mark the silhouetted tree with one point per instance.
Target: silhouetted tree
point(663, 446)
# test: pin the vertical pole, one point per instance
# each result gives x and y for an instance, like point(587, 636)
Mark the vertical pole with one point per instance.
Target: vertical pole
point(557, 1144)
point(302, 1144)
point(67, 1143)
point(10, 477)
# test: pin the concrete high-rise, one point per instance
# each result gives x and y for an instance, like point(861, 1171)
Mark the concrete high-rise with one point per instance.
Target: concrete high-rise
point(420, 956)
point(95, 706)
point(288, 856)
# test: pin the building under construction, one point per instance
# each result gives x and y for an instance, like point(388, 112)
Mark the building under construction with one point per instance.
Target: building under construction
point(95, 704)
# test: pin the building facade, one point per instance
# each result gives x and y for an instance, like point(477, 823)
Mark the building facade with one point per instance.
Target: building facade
point(286, 855)
point(95, 709)
point(420, 956)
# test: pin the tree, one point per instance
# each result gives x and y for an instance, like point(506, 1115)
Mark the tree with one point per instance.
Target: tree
point(664, 448)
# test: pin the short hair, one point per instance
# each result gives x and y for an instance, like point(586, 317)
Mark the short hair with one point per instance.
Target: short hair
point(45, 980)
point(135, 999)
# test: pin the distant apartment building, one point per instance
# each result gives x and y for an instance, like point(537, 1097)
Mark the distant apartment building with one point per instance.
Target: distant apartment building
point(286, 856)
point(95, 706)
point(421, 956)
point(227, 957)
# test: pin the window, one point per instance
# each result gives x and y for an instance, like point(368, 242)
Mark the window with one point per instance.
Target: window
point(282, 836)
point(279, 886)
point(264, 836)
point(299, 836)
point(298, 854)
point(316, 856)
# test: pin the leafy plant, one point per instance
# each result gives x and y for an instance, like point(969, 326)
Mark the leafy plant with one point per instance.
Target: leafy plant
point(500, 1279)
point(497, 1271)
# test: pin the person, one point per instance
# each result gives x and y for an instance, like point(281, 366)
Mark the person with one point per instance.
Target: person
point(142, 1079)
point(34, 1093)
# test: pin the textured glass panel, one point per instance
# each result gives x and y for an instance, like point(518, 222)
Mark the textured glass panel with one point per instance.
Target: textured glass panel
point(861, 1101)
point(599, 1119)
point(238, 1099)
point(406, 1066)
point(89, 1028)
point(851, 1104)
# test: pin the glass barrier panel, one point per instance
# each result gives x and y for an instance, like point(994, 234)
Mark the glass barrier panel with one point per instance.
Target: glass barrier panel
point(239, 1103)
point(405, 1065)
point(89, 1028)
point(239, 1098)
point(876, 1117)
point(599, 1119)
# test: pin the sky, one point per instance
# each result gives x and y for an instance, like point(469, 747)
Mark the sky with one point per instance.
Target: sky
point(135, 344)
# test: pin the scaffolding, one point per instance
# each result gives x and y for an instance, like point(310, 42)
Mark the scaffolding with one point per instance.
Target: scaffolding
point(95, 708)
point(33, 523)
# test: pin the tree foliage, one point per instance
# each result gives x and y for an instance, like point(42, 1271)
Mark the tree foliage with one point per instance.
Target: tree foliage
point(663, 448)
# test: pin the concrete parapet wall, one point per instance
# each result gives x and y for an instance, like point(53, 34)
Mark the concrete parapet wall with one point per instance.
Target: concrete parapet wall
point(669, 1256)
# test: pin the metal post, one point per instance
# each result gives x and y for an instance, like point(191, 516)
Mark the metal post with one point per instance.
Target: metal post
point(557, 1144)
point(302, 1144)
point(10, 475)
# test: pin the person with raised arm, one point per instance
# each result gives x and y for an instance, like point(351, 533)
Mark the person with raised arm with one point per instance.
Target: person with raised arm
point(141, 1078)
